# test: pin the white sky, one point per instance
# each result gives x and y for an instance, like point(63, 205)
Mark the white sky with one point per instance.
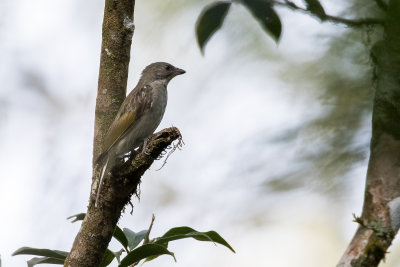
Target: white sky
point(50, 54)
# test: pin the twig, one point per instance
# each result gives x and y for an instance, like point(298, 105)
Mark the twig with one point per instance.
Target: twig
point(334, 19)
point(175, 146)
point(146, 239)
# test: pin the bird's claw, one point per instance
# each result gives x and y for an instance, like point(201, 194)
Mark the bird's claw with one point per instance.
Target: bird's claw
point(144, 147)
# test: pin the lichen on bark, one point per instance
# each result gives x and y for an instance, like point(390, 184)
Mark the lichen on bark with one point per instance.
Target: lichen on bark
point(97, 228)
point(376, 232)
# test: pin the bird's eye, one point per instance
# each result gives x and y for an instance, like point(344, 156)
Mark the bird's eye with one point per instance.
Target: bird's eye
point(167, 67)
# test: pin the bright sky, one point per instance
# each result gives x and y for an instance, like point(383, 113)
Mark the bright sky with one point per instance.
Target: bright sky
point(224, 105)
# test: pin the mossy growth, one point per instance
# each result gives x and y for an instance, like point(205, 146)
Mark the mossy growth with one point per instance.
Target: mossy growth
point(381, 231)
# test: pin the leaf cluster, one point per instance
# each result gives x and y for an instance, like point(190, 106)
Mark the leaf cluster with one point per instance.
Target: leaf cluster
point(130, 240)
point(263, 11)
point(213, 16)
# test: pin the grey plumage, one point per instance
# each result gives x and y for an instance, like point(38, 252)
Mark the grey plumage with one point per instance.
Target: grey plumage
point(138, 117)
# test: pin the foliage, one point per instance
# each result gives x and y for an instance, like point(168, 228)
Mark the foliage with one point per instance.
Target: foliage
point(210, 21)
point(212, 17)
point(130, 240)
point(315, 7)
point(327, 146)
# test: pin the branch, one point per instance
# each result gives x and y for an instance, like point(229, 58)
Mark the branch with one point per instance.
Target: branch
point(334, 19)
point(98, 226)
point(380, 219)
point(117, 35)
point(117, 31)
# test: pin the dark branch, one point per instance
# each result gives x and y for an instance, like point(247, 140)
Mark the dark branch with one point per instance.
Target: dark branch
point(334, 19)
point(156, 145)
point(99, 223)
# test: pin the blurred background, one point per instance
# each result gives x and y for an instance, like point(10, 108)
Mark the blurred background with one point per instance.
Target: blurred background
point(276, 136)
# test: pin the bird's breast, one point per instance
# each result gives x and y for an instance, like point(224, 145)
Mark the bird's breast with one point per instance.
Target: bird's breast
point(159, 103)
point(148, 123)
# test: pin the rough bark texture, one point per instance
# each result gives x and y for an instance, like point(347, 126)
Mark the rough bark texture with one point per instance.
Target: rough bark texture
point(98, 226)
point(380, 219)
point(117, 35)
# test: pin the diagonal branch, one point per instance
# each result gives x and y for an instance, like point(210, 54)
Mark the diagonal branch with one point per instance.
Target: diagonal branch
point(334, 19)
point(98, 226)
point(125, 178)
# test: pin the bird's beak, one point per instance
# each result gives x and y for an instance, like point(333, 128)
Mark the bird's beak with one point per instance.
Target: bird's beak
point(179, 71)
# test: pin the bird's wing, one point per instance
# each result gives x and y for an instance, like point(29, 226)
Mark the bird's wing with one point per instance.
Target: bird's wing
point(132, 109)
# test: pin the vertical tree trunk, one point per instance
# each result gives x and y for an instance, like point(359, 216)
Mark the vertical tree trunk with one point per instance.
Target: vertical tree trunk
point(380, 218)
point(98, 226)
point(91, 242)
point(117, 35)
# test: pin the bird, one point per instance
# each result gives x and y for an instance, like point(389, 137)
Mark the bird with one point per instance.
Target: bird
point(138, 117)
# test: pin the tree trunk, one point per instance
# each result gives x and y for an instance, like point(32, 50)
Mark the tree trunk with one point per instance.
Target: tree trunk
point(91, 242)
point(117, 35)
point(380, 219)
point(98, 226)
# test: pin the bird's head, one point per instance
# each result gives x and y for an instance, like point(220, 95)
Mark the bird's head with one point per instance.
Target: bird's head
point(161, 71)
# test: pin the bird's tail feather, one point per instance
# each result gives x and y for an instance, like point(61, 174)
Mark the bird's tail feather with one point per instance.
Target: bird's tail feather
point(101, 182)
point(101, 157)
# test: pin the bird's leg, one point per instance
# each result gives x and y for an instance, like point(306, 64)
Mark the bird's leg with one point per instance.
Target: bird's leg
point(144, 146)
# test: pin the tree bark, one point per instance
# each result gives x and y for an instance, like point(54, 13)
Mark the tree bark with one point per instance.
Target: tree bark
point(117, 32)
point(380, 219)
point(98, 226)
point(117, 35)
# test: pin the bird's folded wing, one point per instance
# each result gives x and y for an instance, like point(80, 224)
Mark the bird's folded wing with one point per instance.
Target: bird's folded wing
point(132, 109)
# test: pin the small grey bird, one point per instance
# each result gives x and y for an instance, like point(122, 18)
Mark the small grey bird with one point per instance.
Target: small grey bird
point(138, 117)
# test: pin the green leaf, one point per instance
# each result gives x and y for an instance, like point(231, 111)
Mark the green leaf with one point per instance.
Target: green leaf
point(264, 13)
point(58, 254)
point(209, 21)
point(117, 254)
point(185, 232)
point(134, 239)
point(108, 258)
point(121, 237)
point(50, 260)
point(143, 252)
point(315, 7)
point(77, 217)
point(154, 257)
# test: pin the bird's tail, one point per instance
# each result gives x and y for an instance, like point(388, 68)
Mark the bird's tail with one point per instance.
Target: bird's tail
point(101, 157)
point(103, 171)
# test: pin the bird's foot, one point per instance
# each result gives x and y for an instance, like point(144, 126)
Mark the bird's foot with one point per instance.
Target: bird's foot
point(144, 147)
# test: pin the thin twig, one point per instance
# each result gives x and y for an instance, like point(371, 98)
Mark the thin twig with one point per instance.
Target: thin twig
point(334, 19)
point(174, 147)
point(146, 239)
